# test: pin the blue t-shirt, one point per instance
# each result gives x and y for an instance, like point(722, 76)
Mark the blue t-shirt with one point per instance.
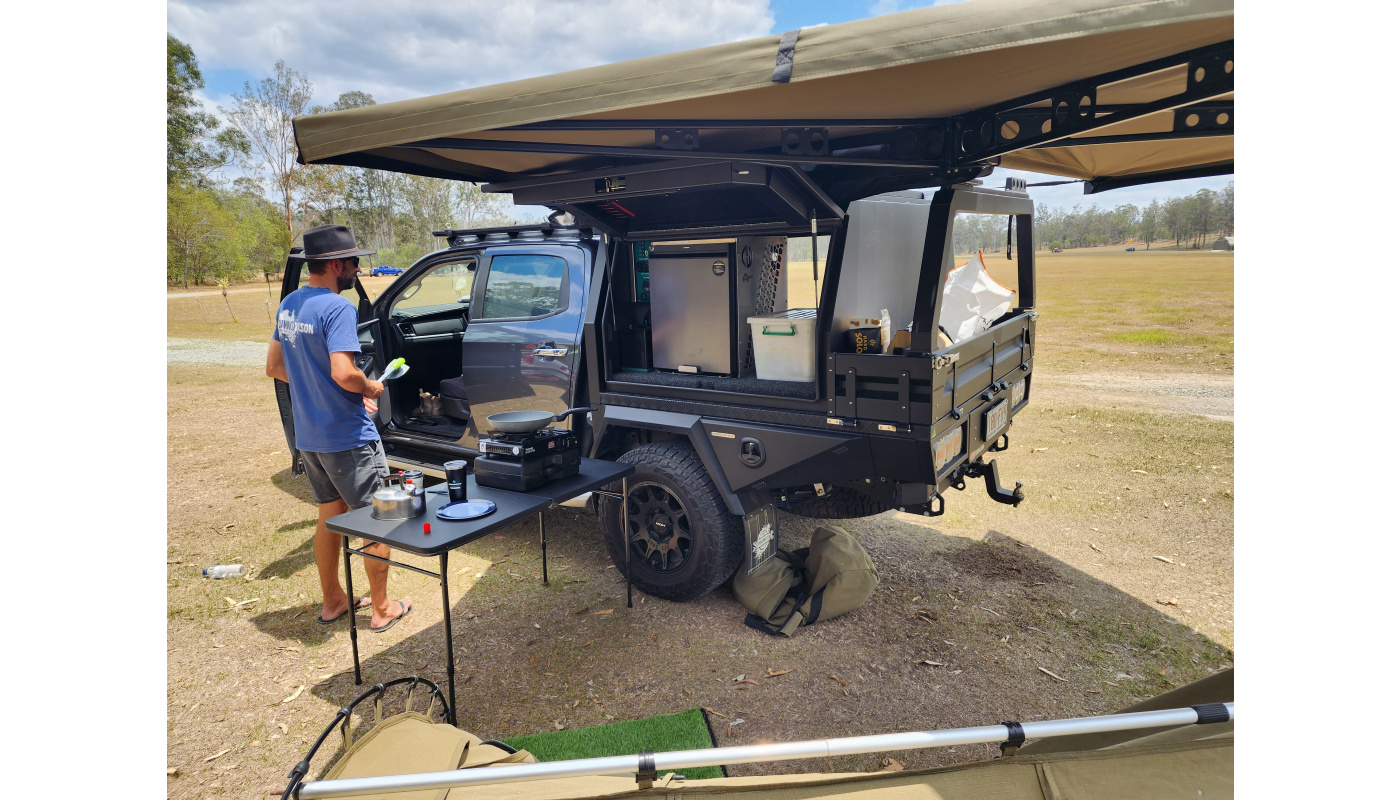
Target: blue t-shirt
point(312, 323)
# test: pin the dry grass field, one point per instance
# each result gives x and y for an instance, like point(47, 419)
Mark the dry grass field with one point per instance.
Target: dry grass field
point(1112, 582)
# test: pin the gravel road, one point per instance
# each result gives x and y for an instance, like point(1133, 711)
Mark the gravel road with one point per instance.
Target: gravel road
point(1210, 395)
point(213, 351)
point(1203, 394)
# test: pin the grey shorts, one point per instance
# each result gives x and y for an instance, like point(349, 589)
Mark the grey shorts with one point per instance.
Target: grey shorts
point(350, 475)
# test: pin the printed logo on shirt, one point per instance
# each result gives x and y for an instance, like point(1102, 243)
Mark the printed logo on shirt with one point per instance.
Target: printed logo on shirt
point(288, 327)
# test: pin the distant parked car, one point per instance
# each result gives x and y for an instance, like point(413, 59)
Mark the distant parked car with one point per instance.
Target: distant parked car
point(1056, 250)
point(385, 270)
point(1132, 249)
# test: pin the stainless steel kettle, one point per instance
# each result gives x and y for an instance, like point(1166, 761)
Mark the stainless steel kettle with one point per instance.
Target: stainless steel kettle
point(397, 502)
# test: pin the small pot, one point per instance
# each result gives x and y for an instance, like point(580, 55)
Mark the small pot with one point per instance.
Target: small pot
point(396, 502)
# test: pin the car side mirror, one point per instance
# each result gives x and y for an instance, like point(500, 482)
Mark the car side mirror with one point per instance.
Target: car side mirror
point(466, 301)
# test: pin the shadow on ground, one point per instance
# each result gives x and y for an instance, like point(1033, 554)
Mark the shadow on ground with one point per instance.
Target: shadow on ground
point(296, 486)
point(960, 632)
point(303, 556)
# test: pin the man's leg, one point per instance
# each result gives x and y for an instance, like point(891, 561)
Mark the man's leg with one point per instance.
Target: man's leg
point(378, 573)
point(326, 544)
point(334, 601)
point(364, 471)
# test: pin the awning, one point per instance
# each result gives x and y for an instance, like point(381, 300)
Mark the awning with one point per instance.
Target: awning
point(1110, 91)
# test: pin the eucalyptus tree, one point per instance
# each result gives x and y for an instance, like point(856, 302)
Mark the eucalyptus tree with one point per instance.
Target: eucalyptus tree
point(263, 113)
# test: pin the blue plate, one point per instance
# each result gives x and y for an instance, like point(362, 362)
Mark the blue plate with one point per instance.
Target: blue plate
point(466, 509)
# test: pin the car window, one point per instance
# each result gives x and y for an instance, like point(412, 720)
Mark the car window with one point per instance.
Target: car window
point(984, 233)
point(523, 286)
point(443, 285)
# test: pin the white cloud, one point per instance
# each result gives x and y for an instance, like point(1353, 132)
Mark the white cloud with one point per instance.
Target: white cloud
point(400, 51)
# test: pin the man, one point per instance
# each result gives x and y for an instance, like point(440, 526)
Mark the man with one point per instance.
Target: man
point(313, 351)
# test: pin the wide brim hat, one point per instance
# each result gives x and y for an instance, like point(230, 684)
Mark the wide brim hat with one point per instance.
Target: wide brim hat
point(329, 242)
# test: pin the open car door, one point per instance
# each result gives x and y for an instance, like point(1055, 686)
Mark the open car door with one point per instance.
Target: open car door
point(293, 276)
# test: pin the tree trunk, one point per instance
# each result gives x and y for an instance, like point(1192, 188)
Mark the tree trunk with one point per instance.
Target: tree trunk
point(287, 207)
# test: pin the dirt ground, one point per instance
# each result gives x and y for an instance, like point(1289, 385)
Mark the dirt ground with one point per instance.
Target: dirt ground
point(1112, 582)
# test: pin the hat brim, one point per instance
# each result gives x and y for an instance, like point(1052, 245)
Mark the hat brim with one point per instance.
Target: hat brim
point(351, 254)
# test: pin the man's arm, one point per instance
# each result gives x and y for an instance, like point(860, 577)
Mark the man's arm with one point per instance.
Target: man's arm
point(351, 378)
point(275, 368)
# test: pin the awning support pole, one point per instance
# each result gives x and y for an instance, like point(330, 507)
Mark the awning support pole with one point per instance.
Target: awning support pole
point(822, 748)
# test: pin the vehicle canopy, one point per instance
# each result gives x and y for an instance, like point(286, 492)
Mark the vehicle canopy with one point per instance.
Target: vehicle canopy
point(784, 127)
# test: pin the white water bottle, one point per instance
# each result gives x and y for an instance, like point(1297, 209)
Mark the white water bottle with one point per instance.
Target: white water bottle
point(225, 571)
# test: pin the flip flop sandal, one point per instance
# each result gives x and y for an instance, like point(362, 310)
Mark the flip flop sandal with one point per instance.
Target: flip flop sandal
point(390, 623)
point(358, 605)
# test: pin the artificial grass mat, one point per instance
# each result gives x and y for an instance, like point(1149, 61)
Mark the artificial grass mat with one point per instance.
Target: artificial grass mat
point(687, 730)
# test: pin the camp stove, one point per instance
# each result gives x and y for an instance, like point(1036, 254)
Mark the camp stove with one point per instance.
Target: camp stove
point(520, 462)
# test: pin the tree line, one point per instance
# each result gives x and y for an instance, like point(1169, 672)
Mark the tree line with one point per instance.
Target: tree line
point(225, 228)
point(1193, 221)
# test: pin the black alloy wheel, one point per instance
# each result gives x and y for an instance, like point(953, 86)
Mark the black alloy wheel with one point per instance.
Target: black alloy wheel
point(681, 539)
point(658, 528)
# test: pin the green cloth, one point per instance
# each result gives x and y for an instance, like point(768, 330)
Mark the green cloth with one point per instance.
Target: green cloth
point(684, 731)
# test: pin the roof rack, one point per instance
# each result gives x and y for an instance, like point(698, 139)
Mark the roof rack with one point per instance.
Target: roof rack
point(461, 236)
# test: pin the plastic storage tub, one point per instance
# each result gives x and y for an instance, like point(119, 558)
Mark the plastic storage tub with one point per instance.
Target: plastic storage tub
point(785, 345)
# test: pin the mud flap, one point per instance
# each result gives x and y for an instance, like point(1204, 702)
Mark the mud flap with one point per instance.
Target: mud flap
point(761, 534)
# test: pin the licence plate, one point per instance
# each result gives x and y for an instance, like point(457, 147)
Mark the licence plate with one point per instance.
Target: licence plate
point(995, 419)
point(761, 528)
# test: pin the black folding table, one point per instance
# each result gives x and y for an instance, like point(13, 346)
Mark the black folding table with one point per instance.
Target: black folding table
point(447, 535)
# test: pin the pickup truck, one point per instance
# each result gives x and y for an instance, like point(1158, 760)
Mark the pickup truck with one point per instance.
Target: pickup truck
point(556, 316)
point(664, 287)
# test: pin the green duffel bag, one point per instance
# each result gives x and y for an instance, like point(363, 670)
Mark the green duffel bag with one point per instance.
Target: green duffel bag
point(832, 576)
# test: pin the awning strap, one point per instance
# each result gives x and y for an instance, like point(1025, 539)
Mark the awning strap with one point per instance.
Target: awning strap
point(787, 49)
point(1015, 737)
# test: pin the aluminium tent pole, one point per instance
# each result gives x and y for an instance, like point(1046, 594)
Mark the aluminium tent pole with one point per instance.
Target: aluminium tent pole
point(820, 748)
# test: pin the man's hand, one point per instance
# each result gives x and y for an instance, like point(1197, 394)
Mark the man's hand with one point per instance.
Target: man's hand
point(372, 390)
point(371, 406)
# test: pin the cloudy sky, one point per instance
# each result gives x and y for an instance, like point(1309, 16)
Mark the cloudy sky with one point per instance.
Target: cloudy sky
point(397, 51)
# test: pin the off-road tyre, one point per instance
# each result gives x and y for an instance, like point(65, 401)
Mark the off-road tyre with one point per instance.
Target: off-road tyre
point(840, 502)
point(716, 536)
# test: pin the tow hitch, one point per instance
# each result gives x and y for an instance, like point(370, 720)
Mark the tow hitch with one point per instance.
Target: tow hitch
point(988, 471)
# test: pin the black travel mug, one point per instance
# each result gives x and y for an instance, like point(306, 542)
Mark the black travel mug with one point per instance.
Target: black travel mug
point(456, 480)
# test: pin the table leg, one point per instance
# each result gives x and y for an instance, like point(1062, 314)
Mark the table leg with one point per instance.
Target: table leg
point(350, 591)
point(544, 552)
point(626, 545)
point(447, 628)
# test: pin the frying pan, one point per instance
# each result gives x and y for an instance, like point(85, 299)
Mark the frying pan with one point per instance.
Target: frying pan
point(526, 421)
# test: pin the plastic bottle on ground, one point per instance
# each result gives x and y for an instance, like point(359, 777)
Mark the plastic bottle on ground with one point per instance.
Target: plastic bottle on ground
point(225, 571)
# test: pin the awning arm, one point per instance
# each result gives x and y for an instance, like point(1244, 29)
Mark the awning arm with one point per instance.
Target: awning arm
point(1196, 121)
point(1107, 183)
point(1041, 119)
point(610, 151)
point(1073, 108)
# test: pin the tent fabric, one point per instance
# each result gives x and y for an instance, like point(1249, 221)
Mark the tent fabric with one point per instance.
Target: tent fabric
point(1217, 688)
point(1192, 769)
point(1192, 761)
point(410, 743)
point(924, 63)
point(405, 744)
